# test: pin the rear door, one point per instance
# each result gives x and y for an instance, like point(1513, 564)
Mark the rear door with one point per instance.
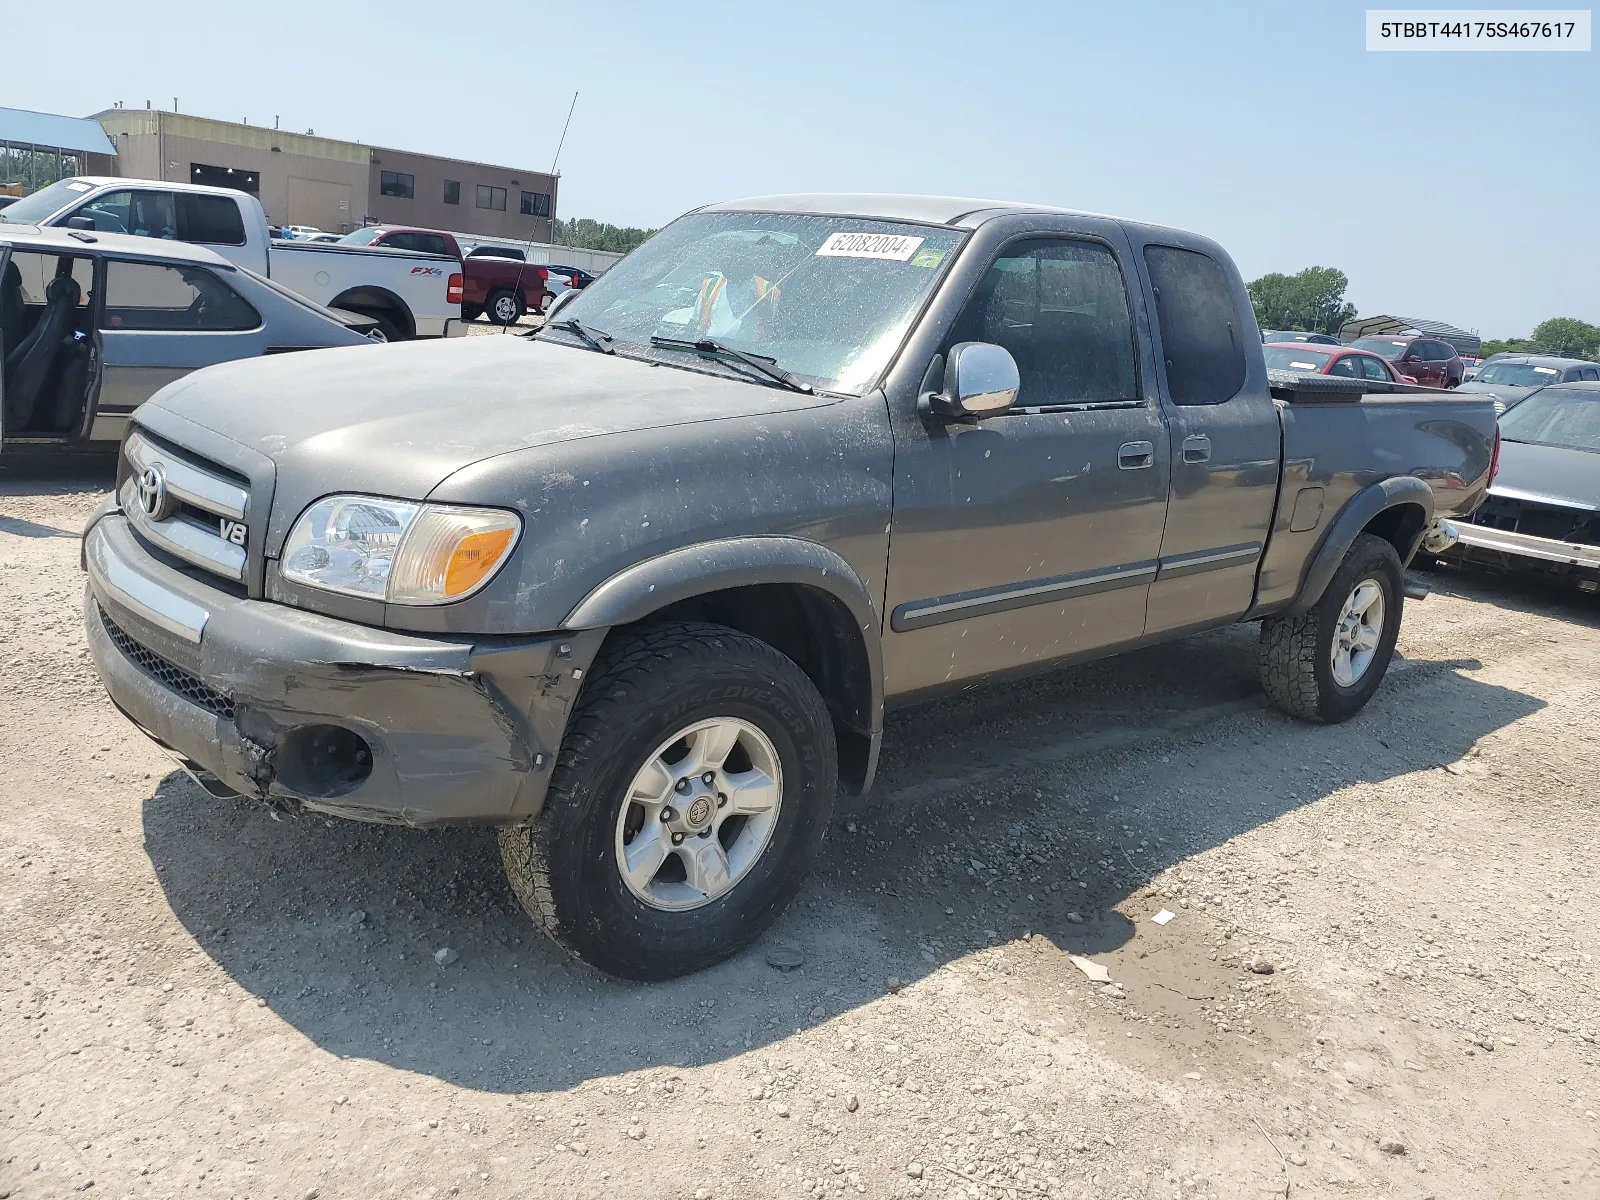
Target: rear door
point(158, 322)
point(1225, 445)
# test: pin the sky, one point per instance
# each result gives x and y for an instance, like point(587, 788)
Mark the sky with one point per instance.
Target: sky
point(1456, 187)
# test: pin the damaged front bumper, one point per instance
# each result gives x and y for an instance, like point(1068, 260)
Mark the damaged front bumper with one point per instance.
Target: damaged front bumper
point(311, 712)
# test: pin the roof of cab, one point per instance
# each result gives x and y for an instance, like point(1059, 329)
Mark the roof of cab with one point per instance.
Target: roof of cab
point(83, 241)
point(964, 212)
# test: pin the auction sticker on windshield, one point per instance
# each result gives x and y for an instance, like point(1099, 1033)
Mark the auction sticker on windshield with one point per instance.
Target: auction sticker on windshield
point(892, 246)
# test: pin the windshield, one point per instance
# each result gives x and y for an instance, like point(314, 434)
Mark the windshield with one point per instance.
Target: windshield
point(1300, 358)
point(361, 237)
point(1518, 375)
point(828, 299)
point(1390, 348)
point(44, 203)
point(1556, 417)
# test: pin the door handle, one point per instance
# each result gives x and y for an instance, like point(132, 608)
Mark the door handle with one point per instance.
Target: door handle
point(1196, 448)
point(1134, 456)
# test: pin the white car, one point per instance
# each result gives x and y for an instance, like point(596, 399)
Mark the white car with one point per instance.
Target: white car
point(408, 294)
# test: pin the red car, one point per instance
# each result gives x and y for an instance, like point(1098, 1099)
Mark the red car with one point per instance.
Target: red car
point(1332, 360)
point(505, 288)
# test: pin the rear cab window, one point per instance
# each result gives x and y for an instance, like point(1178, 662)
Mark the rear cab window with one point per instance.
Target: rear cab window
point(1201, 330)
point(155, 297)
point(210, 220)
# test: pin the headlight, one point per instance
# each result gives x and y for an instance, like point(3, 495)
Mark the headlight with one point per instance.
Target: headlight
point(398, 552)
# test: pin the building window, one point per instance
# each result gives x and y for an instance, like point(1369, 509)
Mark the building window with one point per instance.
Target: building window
point(535, 204)
point(397, 183)
point(491, 197)
point(452, 191)
point(228, 177)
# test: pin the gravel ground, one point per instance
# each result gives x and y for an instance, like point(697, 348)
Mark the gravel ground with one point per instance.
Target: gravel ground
point(1380, 979)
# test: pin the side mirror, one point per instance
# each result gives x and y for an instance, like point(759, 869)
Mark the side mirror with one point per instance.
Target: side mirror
point(1412, 358)
point(80, 222)
point(558, 304)
point(980, 380)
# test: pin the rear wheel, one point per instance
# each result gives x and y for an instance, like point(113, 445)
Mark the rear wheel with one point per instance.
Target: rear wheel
point(504, 308)
point(691, 793)
point(1324, 664)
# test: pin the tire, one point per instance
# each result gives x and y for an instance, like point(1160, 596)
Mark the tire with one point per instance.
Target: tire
point(649, 685)
point(1296, 653)
point(504, 308)
point(470, 312)
point(387, 325)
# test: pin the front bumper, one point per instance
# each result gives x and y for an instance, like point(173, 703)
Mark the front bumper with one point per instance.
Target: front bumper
point(454, 729)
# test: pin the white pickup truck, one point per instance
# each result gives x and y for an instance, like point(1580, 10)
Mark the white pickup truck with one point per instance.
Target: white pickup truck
point(408, 294)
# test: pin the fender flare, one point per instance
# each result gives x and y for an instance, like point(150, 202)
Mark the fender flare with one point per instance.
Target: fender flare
point(705, 567)
point(1357, 513)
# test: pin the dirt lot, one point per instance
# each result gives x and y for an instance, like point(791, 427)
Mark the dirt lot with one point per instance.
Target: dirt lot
point(200, 998)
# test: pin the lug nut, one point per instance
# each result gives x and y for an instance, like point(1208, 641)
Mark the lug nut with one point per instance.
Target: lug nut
point(667, 814)
point(722, 800)
point(708, 779)
point(705, 833)
point(682, 785)
point(677, 839)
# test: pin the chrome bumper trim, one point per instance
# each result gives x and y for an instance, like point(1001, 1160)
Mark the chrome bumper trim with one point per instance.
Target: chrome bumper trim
point(166, 610)
point(1548, 549)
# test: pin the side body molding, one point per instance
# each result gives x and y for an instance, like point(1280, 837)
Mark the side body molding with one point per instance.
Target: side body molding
point(1353, 518)
point(649, 586)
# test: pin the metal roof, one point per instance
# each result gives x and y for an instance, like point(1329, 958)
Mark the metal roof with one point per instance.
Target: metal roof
point(1466, 343)
point(50, 131)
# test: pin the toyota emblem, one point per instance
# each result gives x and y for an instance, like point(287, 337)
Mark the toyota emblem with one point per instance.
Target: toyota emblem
point(152, 489)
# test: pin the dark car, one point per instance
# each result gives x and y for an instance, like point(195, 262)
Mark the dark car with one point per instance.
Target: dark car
point(580, 278)
point(8, 201)
point(624, 588)
point(1428, 360)
point(1295, 335)
point(1512, 378)
point(1543, 509)
point(1346, 361)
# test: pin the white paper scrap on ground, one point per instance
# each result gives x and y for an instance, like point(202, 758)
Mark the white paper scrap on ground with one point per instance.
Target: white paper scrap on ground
point(1093, 970)
point(1162, 917)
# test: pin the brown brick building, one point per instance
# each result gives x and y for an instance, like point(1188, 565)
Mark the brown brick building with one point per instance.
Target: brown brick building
point(302, 179)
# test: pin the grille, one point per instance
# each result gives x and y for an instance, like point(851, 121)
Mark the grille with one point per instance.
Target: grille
point(171, 676)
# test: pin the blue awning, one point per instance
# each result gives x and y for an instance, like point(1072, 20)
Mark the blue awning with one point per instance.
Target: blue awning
point(51, 131)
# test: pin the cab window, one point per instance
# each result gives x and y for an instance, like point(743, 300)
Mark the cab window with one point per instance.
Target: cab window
point(1372, 368)
point(1346, 367)
point(1061, 309)
point(140, 213)
point(1202, 330)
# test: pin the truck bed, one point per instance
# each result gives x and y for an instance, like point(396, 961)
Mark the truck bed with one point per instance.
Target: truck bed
point(1341, 435)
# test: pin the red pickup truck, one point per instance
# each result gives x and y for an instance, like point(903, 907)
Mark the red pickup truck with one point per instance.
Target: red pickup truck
point(505, 288)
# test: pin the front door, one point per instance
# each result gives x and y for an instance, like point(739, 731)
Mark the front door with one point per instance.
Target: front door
point(159, 322)
point(49, 351)
point(1032, 535)
point(1225, 442)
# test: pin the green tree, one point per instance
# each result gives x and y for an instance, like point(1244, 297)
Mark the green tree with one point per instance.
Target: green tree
point(1312, 301)
point(1506, 346)
point(1568, 337)
point(586, 234)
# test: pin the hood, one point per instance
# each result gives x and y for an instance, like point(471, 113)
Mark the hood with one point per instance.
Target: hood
point(399, 419)
point(1548, 475)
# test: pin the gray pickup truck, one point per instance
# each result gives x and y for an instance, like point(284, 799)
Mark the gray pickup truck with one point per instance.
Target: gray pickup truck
point(638, 590)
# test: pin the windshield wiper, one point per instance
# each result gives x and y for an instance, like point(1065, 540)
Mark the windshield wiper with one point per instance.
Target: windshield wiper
point(592, 338)
point(767, 365)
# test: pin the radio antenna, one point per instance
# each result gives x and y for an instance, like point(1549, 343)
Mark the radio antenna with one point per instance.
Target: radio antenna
point(528, 248)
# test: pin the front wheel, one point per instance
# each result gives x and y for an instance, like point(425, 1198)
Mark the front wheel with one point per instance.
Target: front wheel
point(1324, 664)
point(692, 791)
